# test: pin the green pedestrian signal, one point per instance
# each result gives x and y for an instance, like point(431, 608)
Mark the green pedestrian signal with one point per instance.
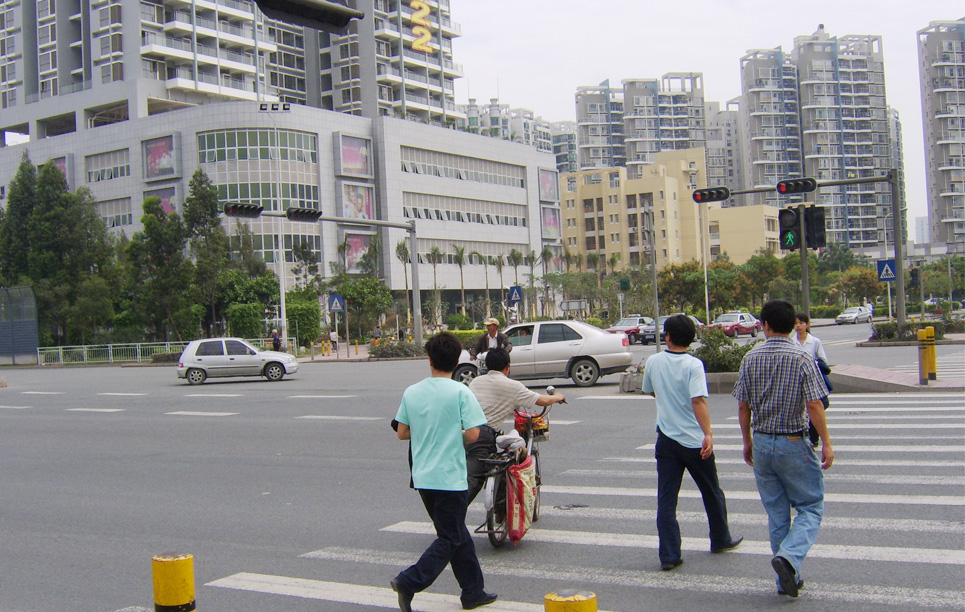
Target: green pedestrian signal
point(790, 227)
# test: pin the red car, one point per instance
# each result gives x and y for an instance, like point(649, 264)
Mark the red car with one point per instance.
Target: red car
point(632, 327)
point(735, 323)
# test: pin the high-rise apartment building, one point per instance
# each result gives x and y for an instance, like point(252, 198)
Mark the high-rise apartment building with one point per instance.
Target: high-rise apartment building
point(501, 121)
point(564, 146)
point(821, 111)
point(599, 126)
point(69, 65)
point(724, 153)
point(941, 54)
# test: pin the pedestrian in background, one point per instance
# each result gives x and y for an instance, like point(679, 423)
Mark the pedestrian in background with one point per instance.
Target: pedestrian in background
point(493, 338)
point(440, 416)
point(813, 347)
point(378, 334)
point(778, 390)
point(275, 340)
point(685, 440)
point(333, 338)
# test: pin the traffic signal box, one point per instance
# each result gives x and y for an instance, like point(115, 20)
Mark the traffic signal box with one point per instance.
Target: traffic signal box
point(242, 209)
point(814, 227)
point(790, 226)
point(801, 185)
point(715, 194)
point(309, 215)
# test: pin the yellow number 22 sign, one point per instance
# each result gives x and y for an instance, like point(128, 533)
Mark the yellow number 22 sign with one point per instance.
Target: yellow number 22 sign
point(420, 27)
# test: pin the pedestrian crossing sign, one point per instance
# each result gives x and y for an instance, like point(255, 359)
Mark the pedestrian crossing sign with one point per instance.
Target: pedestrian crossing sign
point(886, 270)
point(336, 303)
point(515, 294)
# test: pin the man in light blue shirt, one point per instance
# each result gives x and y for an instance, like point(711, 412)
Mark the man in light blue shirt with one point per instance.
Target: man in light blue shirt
point(440, 416)
point(684, 440)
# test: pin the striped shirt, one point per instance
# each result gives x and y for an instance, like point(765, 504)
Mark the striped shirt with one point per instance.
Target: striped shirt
point(499, 396)
point(777, 379)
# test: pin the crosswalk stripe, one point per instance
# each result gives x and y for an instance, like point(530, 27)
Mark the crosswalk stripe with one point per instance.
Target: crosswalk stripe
point(15, 407)
point(838, 461)
point(912, 598)
point(844, 498)
point(835, 426)
point(881, 417)
point(94, 410)
point(630, 540)
point(357, 594)
point(329, 417)
point(855, 449)
point(878, 437)
point(847, 400)
point(42, 392)
point(213, 395)
point(860, 407)
point(320, 396)
point(700, 518)
point(123, 394)
point(897, 479)
point(190, 413)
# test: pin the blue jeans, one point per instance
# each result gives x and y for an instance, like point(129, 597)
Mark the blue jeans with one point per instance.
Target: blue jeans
point(453, 545)
point(789, 475)
point(672, 460)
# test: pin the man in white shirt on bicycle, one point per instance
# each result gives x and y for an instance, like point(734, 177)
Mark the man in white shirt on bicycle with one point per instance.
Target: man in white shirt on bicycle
point(499, 396)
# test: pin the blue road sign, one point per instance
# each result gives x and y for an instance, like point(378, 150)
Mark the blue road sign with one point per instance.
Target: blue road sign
point(515, 294)
point(336, 303)
point(886, 270)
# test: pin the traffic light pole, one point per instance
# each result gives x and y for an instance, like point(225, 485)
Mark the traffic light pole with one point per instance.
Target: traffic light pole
point(410, 228)
point(805, 275)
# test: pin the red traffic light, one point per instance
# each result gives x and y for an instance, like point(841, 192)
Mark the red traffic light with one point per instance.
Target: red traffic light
point(310, 215)
point(715, 194)
point(801, 185)
point(242, 209)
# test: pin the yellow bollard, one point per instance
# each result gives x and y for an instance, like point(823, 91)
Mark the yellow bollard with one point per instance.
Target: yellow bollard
point(922, 357)
point(173, 582)
point(932, 358)
point(356, 348)
point(570, 600)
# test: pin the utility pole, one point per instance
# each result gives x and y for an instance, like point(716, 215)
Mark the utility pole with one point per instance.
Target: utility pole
point(805, 275)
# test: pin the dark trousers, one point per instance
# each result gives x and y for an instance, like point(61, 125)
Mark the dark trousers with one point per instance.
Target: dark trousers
point(672, 459)
point(482, 448)
point(453, 545)
point(812, 432)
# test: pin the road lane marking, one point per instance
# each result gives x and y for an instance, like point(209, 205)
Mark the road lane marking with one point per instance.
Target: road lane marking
point(356, 594)
point(935, 556)
point(755, 520)
point(213, 395)
point(124, 394)
point(320, 396)
point(911, 598)
point(93, 409)
point(899, 426)
point(955, 448)
point(834, 417)
point(838, 461)
point(896, 479)
point(42, 392)
point(844, 498)
point(15, 407)
point(879, 437)
point(190, 413)
point(616, 397)
point(340, 418)
point(843, 401)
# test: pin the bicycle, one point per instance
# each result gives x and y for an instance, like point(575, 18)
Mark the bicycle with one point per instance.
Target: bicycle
point(533, 428)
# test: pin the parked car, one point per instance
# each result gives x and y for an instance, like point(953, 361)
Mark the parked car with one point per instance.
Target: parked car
point(558, 349)
point(855, 315)
point(650, 331)
point(735, 323)
point(220, 357)
point(631, 326)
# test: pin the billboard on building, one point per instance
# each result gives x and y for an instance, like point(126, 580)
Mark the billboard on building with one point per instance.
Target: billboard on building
point(353, 155)
point(167, 195)
point(160, 158)
point(549, 187)
point(551, 222)
point(357, 201)
point(356, 245)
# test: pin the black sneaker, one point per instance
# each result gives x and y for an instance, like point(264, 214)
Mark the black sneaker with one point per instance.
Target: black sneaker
point(405, 596)
point(800, 585)
point(786, 574)
point(669, 565)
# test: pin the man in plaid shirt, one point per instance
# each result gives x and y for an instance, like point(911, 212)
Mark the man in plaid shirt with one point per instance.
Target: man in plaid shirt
point(778, 389)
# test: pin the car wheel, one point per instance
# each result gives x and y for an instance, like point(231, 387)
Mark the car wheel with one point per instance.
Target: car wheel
point(273, 372)
point(464, 374)
point(754, 333)
point(633, 339)
point(194, 376)
point(645, 341)
point(584, 373)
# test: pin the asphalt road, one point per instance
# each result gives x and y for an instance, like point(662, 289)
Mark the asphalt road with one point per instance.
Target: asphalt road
point(293, 496)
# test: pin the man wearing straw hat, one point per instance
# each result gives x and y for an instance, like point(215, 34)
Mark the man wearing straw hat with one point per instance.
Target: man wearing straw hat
point(493, 338)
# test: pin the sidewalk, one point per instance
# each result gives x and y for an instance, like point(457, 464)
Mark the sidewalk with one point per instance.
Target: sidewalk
point(351, 353)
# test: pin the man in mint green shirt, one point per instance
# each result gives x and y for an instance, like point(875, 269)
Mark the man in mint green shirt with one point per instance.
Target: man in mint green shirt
point(440, 416)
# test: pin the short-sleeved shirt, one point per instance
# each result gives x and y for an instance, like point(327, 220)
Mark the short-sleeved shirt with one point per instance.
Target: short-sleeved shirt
point(499, 396)
point(777, 379)
point(675, 379)
point(812, 346)
point(437, 410)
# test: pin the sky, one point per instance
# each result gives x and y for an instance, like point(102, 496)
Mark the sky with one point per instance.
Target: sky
point(534, 53)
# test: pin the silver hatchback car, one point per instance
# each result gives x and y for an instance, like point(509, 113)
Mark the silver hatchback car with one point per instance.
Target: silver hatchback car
point(220, 357)
point(558, 349)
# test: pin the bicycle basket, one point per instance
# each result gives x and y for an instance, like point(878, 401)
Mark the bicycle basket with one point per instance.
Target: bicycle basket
point(541, 426)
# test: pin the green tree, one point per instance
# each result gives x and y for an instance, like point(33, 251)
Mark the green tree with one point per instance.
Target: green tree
point(371, 261)
point(14, 241)
point(435, 258)
point(860, 284)
point(160, 270)
point(304, 319)
point(402, 254)
point(366, 300)
point(515, 259)
point(243, 250)
point(209, 244)
point(245, 320)
point(459, 258)
point(758, 271)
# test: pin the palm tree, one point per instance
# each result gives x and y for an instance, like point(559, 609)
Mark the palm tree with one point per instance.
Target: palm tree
point(568, 259)
point(459, 258)
point(612, 262)
point(546, 255)
point(515, 259)
point(485, 261)
point(531, 261)
point(592, 261)
point(498, 262)
point(435, 258)
point(402, 254)
point(578, 260)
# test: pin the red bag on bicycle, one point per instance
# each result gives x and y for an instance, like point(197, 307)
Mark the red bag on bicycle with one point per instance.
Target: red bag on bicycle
point(520, 498)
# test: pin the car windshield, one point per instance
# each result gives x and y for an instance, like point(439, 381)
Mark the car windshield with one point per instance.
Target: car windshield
point(850, 310)
point(727, 318)
point(625, 322)
point(664, 318)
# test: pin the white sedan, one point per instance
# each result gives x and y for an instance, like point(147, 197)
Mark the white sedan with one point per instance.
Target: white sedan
point(558, 349)
point(854, 315)
point(220, 357)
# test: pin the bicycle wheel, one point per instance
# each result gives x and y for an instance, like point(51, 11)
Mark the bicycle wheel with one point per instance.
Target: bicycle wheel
point(496, 515)
point(538, 483)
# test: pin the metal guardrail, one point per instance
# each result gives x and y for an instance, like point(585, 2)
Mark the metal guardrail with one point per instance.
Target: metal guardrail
point(117, 353)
